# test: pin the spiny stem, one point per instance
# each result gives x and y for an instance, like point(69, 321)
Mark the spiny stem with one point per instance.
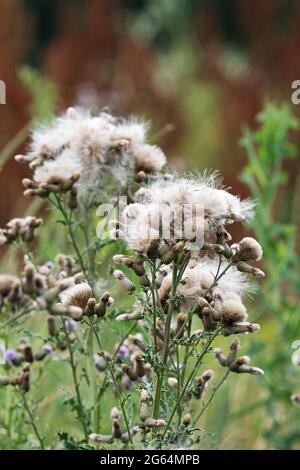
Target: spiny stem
point(166, 344)
point(195, 368)
point(69, 224)
point(32, 421)
point(80, 411)
point(117, 388)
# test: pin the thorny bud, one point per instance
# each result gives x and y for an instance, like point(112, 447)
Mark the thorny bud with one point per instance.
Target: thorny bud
point(101, 438)
point(187, 420)
point(246, 268)
point(248, 249)
point(295, 399)
point(145, 409)
point(241, 327)
point(172, 382)
point(138, 342)
point(136, 315)
point(125, 281)
point(129, 372)
point(139, 364)
point(155, 423)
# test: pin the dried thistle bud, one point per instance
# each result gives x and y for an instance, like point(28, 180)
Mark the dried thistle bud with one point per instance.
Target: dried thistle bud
point(138, 342)
point(233, 351)
point(248, 249)
point(118, 259)
point(77, 295)
point(187, 420)
point(246, 268)
point(295, 399)
point(201, 383)
point(27, 352)
point(101, 438)
point(139, 364)
point(115, 413)
point(172, 382)
point(129, 372)
point(241, 327)
point(136, 315)
point(145, 409)
point(233, 311)
point(90, 307)
point(152, 250)
point(24, 384)
point(125, 281)
point(155, 423)
point(137, 268)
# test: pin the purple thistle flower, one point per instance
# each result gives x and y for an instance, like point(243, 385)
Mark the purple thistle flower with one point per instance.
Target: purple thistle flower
point(47, 349)
point(10, 355)
point(71, 324)
point(123, 352)
point(127, 382)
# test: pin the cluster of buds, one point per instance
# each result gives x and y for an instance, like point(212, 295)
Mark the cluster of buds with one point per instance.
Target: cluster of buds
point(77, 301)
point(236, 364)
point(201, 384)
point(10, 290)
point(239, 254)
point(227, 311)
point(54, 184)
point(117, 433)
point(22, 381)
point(24, 353)
point(19, 229)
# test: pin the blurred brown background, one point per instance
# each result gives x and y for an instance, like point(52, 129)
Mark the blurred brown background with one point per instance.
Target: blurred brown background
point(204, 66)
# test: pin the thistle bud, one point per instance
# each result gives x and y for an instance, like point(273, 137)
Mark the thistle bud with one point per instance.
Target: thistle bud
point(145, 410)
point(248, 249)
point(129, 372)
point(27, 351)
point(136, 315)
point(172, 382)
point(139, 364)
point(101, 438)
point(125, 281)
point(24, 384)
point(187, 420)
point(296, 399)
point(246, 268)
point(155, 423)
point(138, 342)
point(241, 327)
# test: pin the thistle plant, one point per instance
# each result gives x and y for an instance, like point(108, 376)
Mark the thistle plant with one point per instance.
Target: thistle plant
point(179, 285)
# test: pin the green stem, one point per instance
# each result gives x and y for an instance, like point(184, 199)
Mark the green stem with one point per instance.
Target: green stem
point(32, 421)
point(117, 388)
point(69, 224)
point(194, 371)
point(215, 389)
point(80, 411)
point(166, 345)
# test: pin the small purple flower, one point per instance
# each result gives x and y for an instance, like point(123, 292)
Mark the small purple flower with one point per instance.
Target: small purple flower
point(10, 355)
point(127, 382)
point(123, 352)
point(47, 349)
point(71, 324)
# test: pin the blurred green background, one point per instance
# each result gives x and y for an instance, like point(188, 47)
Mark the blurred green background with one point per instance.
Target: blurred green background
point(200, 70)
